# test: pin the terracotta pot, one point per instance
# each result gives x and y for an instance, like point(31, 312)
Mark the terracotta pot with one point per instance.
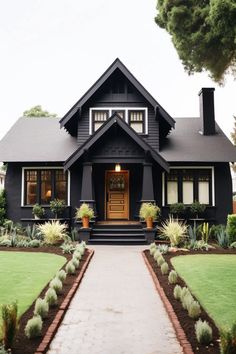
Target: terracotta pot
point(149, 222)
point(234, 206)
point(85, 221)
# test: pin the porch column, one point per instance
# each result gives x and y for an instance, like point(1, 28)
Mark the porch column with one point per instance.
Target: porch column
point(87, 190)
point(147, 190)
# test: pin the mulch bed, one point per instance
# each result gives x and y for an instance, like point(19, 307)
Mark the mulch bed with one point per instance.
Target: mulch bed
point(23, 345)
point(185, 321)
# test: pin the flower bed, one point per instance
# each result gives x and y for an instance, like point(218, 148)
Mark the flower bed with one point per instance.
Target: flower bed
point(185, 321)
point(28, 346)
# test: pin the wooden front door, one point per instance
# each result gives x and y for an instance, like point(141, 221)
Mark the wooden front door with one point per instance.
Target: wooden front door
point(117, 195)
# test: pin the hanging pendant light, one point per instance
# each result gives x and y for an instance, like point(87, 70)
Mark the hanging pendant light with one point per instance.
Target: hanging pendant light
point(117, 167)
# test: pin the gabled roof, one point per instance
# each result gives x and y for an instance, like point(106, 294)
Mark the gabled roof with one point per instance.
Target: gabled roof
point(187, 144)
point(115, 120)
point(37, 140)
point(117, 64)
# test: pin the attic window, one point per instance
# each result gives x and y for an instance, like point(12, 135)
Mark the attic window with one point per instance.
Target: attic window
point(136, 120)
point(99, 117)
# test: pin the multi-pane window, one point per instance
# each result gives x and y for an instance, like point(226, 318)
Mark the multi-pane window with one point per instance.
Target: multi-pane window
point(135, 117)
point(172, 187)
point(136, 120)
point(31, 187)
point(187, 185)
point(43, 185)
point(99, 117)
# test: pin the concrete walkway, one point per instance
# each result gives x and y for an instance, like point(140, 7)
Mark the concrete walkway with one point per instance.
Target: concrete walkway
point(116, 309)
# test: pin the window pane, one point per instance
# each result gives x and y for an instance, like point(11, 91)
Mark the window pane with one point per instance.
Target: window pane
point(136, 116)
point(97, 126)
point(172, 192)
point(46, 186)
point(187, 192)
point(120, 113)
point(100, 116)
point(203, 192)
point(60, 185)
point(138, 127)
point(31, 187)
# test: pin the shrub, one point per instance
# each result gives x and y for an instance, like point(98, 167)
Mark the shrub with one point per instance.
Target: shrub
point(173, 230)
point(70, 268)
point(152, 250)
point(5, 242)
point(160, 261)
point(3, 350)
point(177, 208)
point(214, 230)
point(38, 210)
point(41, 308)
point(173, 277)
point(228, 341)
point(156, 254)
point(51, 297)
point(77, 254)
point(56, 284)
point(53, 232)
point(80, 249)
point(149, 210)
point(231, 227)
point(33, 327)
point(67, 248)
point(197, 208)
point(152, 245)
point(177, 292)
point(203, 332)
point(194, 310)
point(187, 301)
point(223, 237)
point(163, 249)
point(84, 211)
point(34, 243)
point(184, 292)
point(3, 207)
point(9, 323)
point(57, 206)
point(164, 268)
point(233, 245)
point(75, 262)
point(204, 231)
point(61, 275)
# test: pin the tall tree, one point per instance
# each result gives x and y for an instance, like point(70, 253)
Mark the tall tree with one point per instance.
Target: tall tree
point(233, 134)
point(203, 33)
point(38, 112)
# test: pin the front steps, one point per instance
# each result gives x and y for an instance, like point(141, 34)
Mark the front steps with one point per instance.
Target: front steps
point(118, 234)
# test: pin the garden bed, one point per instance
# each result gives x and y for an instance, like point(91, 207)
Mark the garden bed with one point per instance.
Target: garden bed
point(28, 346)
point(185, 321)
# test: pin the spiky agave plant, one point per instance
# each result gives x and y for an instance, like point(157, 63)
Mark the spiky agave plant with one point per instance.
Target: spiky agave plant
point(174, 230)
point(9, 323)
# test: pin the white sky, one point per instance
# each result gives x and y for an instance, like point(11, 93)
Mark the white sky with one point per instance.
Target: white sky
point(52, 51)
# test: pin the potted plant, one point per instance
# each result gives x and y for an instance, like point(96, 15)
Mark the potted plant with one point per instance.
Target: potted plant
point(197, 208)
point(57, 206)
point(38, 211)
point(84, 213)
point(149, 212)
point(177, 209)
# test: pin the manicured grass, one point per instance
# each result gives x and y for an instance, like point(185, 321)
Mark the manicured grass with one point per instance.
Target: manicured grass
point(212, 279)
point(23, 275)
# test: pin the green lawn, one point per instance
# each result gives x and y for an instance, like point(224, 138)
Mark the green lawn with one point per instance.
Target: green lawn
point(212, 279)
point(24, 274)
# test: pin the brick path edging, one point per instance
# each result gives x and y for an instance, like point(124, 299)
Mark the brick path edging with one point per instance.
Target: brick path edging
point(44, 345)
point(187, 349)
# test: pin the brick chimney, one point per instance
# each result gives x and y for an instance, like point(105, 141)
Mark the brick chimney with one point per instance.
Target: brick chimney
point(207, 111)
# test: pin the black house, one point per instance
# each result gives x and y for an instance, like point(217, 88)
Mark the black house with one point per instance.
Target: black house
point(117, 147)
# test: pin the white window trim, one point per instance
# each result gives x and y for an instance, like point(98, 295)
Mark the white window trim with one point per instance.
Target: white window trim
point(42, 168)
point(191, 168)
point(110, 109)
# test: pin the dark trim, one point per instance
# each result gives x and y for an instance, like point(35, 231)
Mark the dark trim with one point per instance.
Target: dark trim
point(115, 120)
point(117, 64)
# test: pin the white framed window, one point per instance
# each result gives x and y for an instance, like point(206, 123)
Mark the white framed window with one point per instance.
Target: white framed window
point(43, 184)
point(136, 117)
point(186, 184)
